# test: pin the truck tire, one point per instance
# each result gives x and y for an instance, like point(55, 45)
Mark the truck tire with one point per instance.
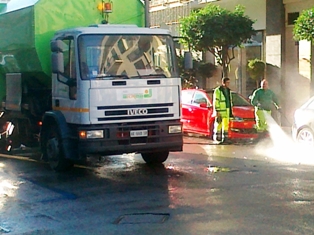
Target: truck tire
point(155, 157)
point(53, 150)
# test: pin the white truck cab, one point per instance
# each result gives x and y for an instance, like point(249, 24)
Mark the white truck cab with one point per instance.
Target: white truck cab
point(115, 89)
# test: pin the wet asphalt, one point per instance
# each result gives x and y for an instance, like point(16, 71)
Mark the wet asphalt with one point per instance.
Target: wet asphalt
point(207, 189)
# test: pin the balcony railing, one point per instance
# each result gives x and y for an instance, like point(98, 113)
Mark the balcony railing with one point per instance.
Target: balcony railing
point(156, 3)
point(167, 2)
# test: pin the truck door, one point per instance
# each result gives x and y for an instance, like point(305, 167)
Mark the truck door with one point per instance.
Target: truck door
point(64, 96)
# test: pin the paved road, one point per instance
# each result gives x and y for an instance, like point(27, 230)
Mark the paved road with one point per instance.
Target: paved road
point(206, 189)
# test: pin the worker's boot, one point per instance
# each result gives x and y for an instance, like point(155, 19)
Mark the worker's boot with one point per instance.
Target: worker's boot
point(226, 139)
point(217, 138)
point(262, 135)
point(265, 134)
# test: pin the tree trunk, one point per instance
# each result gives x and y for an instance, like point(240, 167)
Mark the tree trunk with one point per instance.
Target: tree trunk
point(225, 64)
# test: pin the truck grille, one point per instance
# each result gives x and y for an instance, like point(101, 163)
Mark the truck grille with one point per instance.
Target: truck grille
point(133, 112)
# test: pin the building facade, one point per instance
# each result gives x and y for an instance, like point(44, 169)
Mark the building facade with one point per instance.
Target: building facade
point(288, 62)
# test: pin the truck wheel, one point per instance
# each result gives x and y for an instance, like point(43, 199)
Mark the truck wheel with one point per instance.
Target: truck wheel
point(155, 157)
point(54, 152)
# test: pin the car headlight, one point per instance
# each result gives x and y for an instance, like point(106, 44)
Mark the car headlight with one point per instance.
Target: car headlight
point(175, 129)
point(92, 134)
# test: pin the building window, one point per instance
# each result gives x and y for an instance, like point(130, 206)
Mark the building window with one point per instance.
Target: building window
point(292, 17)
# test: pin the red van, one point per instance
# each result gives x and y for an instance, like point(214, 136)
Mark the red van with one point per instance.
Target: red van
point(197, 115)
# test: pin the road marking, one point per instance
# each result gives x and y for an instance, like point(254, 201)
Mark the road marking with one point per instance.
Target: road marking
point(17, 157)
point(23, 158)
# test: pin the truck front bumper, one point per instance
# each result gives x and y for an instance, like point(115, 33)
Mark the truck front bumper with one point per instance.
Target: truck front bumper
point(174, 143)
point(119, 139)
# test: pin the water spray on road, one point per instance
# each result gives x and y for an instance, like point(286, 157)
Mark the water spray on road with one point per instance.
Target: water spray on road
point(280, 145)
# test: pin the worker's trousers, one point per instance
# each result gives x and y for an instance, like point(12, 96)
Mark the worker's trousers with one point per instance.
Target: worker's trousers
point(221, 127)
point(261, 122)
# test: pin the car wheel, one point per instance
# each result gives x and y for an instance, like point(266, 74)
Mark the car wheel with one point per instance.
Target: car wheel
point(155, 157)
point(305, 136)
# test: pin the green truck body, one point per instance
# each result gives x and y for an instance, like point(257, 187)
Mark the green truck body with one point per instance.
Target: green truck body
point(26, 28)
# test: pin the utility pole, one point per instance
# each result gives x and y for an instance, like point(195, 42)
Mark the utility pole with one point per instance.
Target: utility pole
point(147, 20)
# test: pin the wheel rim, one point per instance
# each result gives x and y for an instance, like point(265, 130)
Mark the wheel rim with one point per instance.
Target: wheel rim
point(53, 151)
point(305, 136)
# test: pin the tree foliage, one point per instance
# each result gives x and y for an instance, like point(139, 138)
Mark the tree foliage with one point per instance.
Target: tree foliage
point(190, 77)
point(304, 26)
point(256, 69)
point(216, 29)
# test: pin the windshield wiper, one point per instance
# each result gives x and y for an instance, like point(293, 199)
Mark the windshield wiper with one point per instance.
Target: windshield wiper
point(153, 75)
point(105, 76)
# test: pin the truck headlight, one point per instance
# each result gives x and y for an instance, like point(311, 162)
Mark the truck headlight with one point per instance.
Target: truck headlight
point(175, 129)
point(93, 134)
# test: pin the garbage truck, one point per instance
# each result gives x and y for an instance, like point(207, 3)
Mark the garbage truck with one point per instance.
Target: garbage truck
point(79, 82)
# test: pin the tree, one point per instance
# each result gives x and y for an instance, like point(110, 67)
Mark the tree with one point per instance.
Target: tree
point(216, 29)
point(303, 30)
point(256, 69)
point(190, 77)
point(303, 26)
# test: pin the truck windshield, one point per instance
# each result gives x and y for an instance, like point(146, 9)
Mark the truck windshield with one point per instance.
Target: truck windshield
point(126, 56)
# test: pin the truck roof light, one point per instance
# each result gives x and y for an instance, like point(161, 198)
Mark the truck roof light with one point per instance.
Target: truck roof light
point(105, 7)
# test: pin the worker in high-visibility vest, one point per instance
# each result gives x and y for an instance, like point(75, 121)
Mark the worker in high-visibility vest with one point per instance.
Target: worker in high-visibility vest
point(263, 99)
point(222, 110)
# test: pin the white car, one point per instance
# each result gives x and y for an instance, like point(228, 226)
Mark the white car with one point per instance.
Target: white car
point(303, 123)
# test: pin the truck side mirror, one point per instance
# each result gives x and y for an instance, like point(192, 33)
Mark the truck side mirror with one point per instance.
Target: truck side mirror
point(56, 46)
point(57, 62)
point(188, 61)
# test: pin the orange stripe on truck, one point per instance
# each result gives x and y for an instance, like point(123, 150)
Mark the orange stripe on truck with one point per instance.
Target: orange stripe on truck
point(68, 109)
